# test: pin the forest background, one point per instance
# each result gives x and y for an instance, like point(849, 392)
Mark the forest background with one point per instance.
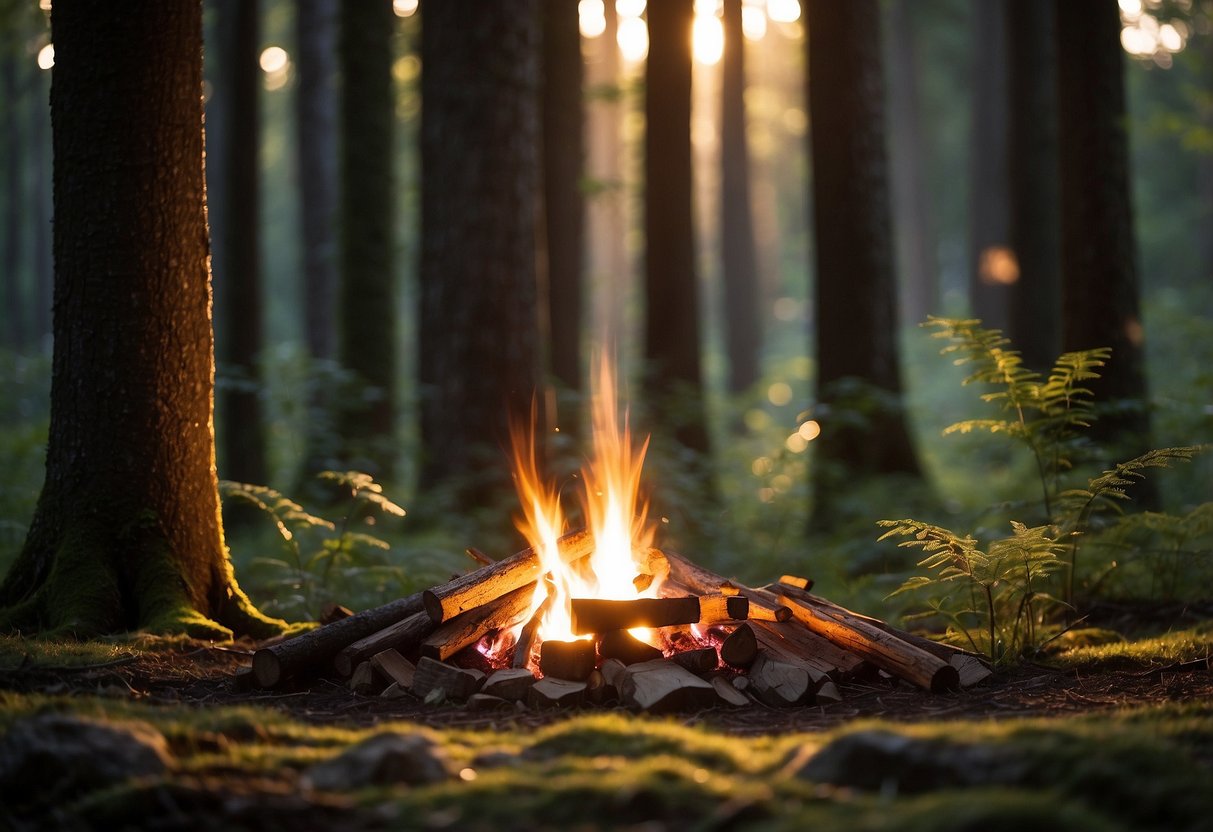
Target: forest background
point(282, 381)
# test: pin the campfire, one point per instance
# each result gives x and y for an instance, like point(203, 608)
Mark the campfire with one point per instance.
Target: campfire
point(599, 615)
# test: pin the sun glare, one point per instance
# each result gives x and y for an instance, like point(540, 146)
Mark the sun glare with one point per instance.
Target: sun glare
point(633, 39)
point(707, 39)
point(46, 56)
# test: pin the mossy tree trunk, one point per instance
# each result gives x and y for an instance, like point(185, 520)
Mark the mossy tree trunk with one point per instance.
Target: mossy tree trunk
point(478, 348)
point(367, 296)
point(673, 377)
point(863, 428)
point(127, 532)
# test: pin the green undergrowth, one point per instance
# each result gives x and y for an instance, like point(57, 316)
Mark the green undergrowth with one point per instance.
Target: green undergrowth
point(1175, 647)
point(17, 652)
point(1147, 767)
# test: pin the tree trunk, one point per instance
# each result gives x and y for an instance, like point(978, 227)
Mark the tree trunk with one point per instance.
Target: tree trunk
point(14, 232)
point(742, 286)
point(859, 376)
point(479, 183)
point(367, 332)
point(673, 386)
point(908, 156)
point(127, 532)
point(236, 219)
point(1034, 326)
point(992, 269)
point(564, 207)
point(316, 126)
point(1100, 305)
point(316, 130)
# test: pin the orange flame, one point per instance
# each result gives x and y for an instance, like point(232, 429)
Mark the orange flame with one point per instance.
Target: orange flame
point(615, 513)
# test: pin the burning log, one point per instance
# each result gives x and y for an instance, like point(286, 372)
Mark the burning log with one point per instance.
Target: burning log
point(479, 587)
point(474, 624)
point(881, 648)
point(526, 636)
point(313, 650)
point(404, 636)
point(571, 660)
point(699, 581)
point(714, 609)
point(796, 582)
point(663, 685)
point(655, 568)
point(622, 645)
point(596, 615)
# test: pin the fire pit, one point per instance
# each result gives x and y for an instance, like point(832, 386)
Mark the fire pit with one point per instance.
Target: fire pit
point(602, 616)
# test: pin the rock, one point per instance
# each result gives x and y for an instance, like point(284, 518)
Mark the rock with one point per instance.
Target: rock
point(51, 756)
point(884, 760)
point(382, 760)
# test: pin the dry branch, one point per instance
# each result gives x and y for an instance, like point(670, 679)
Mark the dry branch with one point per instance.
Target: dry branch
point(403, 636)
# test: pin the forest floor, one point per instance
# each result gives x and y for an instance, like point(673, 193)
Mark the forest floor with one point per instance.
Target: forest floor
point(1118, 736)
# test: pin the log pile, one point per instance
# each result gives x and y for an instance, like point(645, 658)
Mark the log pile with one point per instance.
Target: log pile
point(726, 644)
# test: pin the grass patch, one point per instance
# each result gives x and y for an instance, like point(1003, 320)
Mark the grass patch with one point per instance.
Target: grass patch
point(1175, 647)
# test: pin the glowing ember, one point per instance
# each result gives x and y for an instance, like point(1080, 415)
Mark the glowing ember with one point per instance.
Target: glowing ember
point(615, 515)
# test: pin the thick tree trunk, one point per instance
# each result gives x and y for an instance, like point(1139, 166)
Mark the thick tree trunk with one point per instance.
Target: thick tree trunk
point(236, 219)
point(1034, 325)
point(14, 232)
point(564, 207)
point(367, 333)
point(673, 385)
point(742, 284)
point(856, 315)
point(992, 273)
point(1100, 304)
point(479, 182)
point(908, 156)
point(316, 107)
point(316, 126)
point(127, 531)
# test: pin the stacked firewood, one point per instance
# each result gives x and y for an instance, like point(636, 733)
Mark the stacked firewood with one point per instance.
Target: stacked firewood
point(727, 644)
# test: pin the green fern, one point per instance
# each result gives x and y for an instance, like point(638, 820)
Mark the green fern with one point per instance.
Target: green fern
point(1003, 582)
point(1044, 414)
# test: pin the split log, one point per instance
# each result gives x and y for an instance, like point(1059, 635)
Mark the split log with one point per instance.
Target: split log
point(394, 691)
point(597, 690)
point(662, 685)
point(613, 671)
point(526, 636)
point(827, 694)
point(364, 680)
point(512, 683)
point(778, 646)
point(395, 667)
point(796, 582)
point(729, 694)
point(550, 693)
point(572, 660)
point(698, 661)
point(314, 650)
point(403, 636)
point(881, 648)
point(713, 609)
point(622, 645)
point(596, 615)
point(740, 647)
point(653, 568)
point(473, 625)
point(455, 682)
point(479, 587)
point(779, 683)
point(970, 669)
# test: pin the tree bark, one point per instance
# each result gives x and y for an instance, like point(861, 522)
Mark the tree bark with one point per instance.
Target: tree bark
point(480, 360)
point(1034, 325)
point(1100, 292)
point(564, 206)
point(44, 268)
point(739, 257)
point(856, 295)
point(236, 219)
point(367, 297)
point(673, 385)
point(127, 532)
